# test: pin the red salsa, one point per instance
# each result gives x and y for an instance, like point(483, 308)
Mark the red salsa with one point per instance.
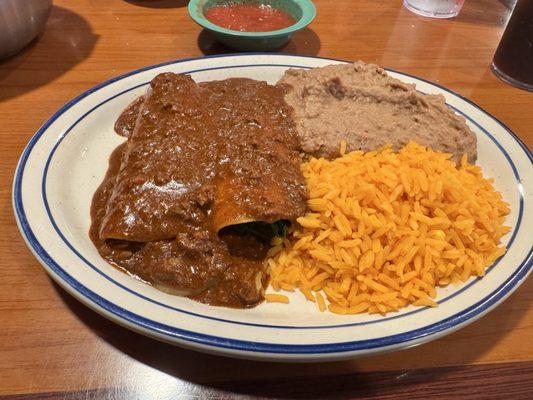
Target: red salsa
point(249, 17)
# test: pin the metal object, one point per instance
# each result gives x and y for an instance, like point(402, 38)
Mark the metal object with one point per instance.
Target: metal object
point(21, 21)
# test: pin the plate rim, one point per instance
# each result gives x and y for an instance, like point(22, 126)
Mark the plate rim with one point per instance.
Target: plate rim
point(137, 322)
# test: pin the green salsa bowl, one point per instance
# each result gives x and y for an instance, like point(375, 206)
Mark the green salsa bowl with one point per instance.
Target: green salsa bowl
point(303, 12)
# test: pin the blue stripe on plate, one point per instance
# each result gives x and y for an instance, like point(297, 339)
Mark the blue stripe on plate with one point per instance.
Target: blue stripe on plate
point(215, 341)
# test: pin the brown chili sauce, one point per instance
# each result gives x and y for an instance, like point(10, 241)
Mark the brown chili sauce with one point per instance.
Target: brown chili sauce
point(201, 161)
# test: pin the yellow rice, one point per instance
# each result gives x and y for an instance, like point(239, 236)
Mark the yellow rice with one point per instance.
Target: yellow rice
point(276, 298)
point(385, 229)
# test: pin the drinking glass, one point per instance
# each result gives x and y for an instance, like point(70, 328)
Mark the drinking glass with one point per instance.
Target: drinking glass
point(513, 60)
point(435, 8)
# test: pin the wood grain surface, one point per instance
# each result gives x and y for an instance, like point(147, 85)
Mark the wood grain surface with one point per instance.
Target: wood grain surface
point(52, 347)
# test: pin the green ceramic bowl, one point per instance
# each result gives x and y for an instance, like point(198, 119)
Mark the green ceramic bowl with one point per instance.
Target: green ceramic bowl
point(303, 12)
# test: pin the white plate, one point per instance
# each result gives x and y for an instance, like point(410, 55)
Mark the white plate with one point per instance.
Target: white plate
point(66, 160)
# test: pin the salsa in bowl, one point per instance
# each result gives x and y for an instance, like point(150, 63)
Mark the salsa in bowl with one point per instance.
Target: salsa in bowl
point(254, 25)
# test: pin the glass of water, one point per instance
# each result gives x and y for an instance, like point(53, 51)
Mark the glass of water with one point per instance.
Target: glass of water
point(435, 8)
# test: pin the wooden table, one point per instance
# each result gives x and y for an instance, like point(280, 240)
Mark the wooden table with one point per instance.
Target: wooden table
point(52, 347)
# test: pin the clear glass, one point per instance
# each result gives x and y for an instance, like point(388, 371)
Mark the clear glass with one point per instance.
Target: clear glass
point(435, 8)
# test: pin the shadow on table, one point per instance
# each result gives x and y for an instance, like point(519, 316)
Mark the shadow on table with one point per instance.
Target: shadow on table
point(67, 40)
point(305, 42)
point(206, 375)
point(158, 3)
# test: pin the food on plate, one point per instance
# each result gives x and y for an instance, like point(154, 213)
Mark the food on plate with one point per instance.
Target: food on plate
point(209, 174)
point(225, 187)
point(361, 104)
point(386, 228)
point(127, 119)
point(249, 17)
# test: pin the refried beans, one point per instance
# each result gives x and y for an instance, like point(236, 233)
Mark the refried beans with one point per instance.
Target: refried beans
point(361, 104)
